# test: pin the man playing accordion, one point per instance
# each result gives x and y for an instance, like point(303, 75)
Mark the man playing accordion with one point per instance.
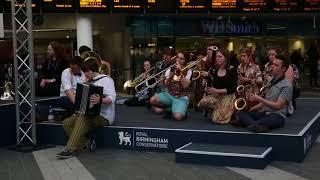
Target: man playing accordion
point(78, 125)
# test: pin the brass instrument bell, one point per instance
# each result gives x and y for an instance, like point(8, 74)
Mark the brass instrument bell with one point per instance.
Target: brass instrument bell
point(92, 56)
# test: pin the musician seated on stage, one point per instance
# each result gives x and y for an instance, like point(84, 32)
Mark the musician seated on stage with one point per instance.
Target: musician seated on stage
point(77, 126)
point(248, 71)
point(220, 91)
point(175, 99)
point(272, 109)
point(69, 79)
point(289, 75)
point(161, 65)
point(106, 67)
point(141, 98)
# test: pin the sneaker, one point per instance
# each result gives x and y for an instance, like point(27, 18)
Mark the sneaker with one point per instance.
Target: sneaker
point(92, 145)
point(64, 154)
point(257, 128)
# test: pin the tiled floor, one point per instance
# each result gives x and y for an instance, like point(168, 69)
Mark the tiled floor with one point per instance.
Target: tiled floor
point(115, 164)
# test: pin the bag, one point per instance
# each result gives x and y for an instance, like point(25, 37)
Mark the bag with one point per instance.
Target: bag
point(134, 101)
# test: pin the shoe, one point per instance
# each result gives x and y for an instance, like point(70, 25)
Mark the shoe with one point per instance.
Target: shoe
point(92, 145)
point(257, 128)
point(65, 154)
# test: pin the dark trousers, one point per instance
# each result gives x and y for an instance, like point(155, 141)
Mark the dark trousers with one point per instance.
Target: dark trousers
point(262, 118)
point(65, 103)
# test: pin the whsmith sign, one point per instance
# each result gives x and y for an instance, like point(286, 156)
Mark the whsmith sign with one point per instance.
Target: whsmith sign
point(214, 27)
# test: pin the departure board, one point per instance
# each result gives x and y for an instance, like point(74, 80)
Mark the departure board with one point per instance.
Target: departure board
point(225, 5)
point(128, 6)
point(312, 5)
point(93, 5)
point(193, 5)
point(160, 6)
point(35, 5)
point(254, 5)
point(58, 5)
point(284, 5)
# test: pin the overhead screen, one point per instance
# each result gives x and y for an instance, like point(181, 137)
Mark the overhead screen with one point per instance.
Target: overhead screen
point(171, 6)
point(93, 5)
point(58, 6)
point(160, 6)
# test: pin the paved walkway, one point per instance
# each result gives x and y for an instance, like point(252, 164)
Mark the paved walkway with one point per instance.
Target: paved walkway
point(115, 164)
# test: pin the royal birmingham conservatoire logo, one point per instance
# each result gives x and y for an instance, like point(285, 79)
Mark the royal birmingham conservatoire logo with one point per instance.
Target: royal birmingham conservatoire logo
point(124, 138)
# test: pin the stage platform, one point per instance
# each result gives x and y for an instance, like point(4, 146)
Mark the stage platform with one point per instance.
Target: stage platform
point(137, 128)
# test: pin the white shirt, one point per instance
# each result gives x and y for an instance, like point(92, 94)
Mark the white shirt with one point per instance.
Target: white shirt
point(107, 110)
point(69, 81)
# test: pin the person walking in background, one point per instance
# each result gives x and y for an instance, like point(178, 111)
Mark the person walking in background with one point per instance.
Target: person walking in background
point(313, 57)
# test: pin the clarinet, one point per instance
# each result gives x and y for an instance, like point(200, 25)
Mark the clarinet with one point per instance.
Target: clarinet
point(209, 82)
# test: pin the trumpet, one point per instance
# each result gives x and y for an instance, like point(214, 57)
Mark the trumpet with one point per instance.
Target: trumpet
point(133, 83)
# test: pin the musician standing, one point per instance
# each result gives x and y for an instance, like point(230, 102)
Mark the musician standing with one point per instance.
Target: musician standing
point(220, 94)
point(273, 107)
point(78, 126)
point(69, 79)
point(175, 98)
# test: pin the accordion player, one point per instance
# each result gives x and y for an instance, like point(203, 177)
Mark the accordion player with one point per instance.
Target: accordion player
point(82, 99)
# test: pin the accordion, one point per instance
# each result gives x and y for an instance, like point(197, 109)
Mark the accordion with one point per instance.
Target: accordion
point(82, 100)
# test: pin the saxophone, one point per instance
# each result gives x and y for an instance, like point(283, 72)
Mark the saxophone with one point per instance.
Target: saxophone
point(242, 102)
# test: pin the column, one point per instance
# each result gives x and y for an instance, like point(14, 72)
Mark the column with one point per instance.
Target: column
point(84, 31)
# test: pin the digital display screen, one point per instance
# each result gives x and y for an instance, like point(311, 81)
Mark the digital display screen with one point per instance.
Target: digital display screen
point(254, 5)
point(35, 5)
point(312, 5)
point(225, 5)
point(284, 5)
point(93, 5)
point(193, 5)
point(58, 5)
point(160, 6)
point(128, 6)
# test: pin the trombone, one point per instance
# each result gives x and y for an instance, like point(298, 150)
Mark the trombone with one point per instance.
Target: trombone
point(190, 65)
point(152, 80)
point(133, 83)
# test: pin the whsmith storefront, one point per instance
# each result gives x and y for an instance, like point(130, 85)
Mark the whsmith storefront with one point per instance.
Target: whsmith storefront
point(150, 34)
